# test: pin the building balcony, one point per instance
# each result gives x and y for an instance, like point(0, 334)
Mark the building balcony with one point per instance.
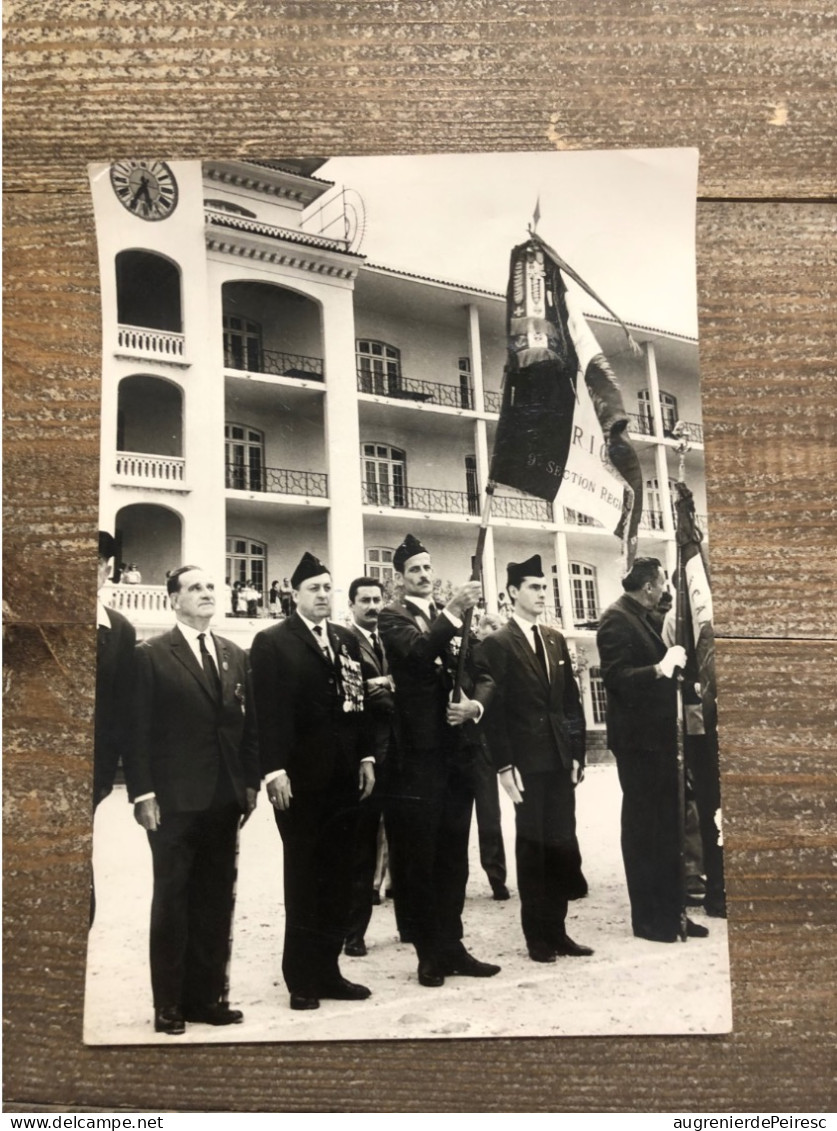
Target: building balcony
point(493, 401)
point(144, 470)
point(155, 345)
point(401, 388)
point(275, 363)
point(642, 425)
point(138, 602)
point(277, 481)
point(434, 500)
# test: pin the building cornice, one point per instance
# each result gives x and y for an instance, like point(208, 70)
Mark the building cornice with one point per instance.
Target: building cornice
point(265, 244)
point(269, 180)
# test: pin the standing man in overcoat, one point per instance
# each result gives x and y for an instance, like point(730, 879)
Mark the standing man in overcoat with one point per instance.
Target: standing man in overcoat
point(537, 737)
point(318, 764)
point(365, 602)
point(430, 784)
point(639, 677)
point(193, 776)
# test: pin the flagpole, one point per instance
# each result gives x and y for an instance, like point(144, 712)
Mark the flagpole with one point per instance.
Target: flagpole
point(476, 575)
point(680, 612)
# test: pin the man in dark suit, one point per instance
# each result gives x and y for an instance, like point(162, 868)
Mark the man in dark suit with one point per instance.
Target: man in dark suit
point(193, 775)
point(429, 783)
point(116, 639)
point(365, 601)
point(317, 765)
point(639, 677)
point(115, 643)
point(536, 724)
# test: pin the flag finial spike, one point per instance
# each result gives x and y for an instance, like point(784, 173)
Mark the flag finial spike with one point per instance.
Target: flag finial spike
point(536, 215)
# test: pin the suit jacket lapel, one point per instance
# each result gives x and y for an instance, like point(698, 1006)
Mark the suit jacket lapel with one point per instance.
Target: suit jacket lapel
point(634, 610)
point(305, 634)
point(526, 652)
point(421, 621)
point(184, 654)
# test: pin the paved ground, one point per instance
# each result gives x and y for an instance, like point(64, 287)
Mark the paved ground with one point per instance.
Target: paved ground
point(628, 986)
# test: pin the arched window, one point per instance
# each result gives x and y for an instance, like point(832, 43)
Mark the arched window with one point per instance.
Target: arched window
point(384, 475)
point(378, 368)
point(244, 455)
point(652, 510)
point(247, 561)
point(668, 408)
point(585, 593)
point(378, 563)
point(598, 695)
point(242, 344)
point(228, 206)
point(148, 291)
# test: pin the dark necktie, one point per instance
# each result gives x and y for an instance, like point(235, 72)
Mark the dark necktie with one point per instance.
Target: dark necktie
point(433, 613)
point(379, 652)
point(322, 640)
point(539, 651)
point(209, 668)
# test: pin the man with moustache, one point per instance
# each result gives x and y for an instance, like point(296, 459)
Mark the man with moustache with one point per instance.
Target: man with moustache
point(365, 601)
point(317, 765)
point(193, 775)
point(536, 723)
point(429, 784)
point(639, 677)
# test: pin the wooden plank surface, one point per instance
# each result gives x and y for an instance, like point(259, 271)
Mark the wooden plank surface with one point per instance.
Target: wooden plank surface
point(753, 88)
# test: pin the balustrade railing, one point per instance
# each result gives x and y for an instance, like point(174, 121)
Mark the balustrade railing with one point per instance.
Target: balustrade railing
point(531, 509)
point(158, 343)
point(137, 600)
point(277, 480)
point(154, 471)
point(493, 401)
point(408, 389)
point(274, 363)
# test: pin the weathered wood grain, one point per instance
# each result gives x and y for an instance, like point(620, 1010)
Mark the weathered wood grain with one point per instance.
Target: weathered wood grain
point(99, 79)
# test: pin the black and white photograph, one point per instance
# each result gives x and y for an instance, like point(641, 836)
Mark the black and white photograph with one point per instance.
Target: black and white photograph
point(406, 709)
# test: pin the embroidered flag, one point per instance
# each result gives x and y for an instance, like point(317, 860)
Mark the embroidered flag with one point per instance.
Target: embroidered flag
point(563, 425)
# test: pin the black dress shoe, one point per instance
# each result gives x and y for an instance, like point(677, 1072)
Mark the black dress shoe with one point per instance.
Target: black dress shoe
point(169, 1020)
point(344, 990)
point(217, 1013)
point(304, 1001)
point(695, 930)
point(466, 966)
point(541, 952)
point(500, 891)
point(566, 948)
point(355, 948)
point(429, 973)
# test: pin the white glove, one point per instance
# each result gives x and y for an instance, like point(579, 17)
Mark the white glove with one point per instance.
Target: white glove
point(675, 657)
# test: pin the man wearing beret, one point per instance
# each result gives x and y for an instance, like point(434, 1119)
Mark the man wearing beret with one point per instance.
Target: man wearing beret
point(318, 764)
point(430, 784)
point(536, 723)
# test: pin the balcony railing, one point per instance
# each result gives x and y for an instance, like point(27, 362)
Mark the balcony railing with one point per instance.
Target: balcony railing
point(407, 389)
point(531, 509)
point(643, 425)
point(138, 601)
point(493, 401)
point(640, 424)
point(275, 363)
point(153, 471)
point(162, 344)
point(576, 518)
point(651, 520)
point(277, 480)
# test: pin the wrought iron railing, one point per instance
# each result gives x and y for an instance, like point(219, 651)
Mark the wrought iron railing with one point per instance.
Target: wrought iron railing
point(651, 520)
point(576, 518)
point(158, 343)
point(640, 424)
point(428, 499)
point(493, 400)
point(512, 506)
point(277, 480)
point(274, 363)
point(408, 389)
point(154, 471)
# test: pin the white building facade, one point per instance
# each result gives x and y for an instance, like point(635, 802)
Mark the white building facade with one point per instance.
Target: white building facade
point(266, 391)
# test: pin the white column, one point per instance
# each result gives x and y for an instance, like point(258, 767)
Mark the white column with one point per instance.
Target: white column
point(475, 350)
point(562, 561)
point(342, 436)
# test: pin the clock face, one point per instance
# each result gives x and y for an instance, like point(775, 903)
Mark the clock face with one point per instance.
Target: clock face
point(146, 188)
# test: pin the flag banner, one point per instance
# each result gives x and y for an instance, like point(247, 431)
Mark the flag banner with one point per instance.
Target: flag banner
point(558, 432)
point(696, 631)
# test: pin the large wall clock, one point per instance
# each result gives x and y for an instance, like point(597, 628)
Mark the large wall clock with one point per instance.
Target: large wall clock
point(146, 188)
